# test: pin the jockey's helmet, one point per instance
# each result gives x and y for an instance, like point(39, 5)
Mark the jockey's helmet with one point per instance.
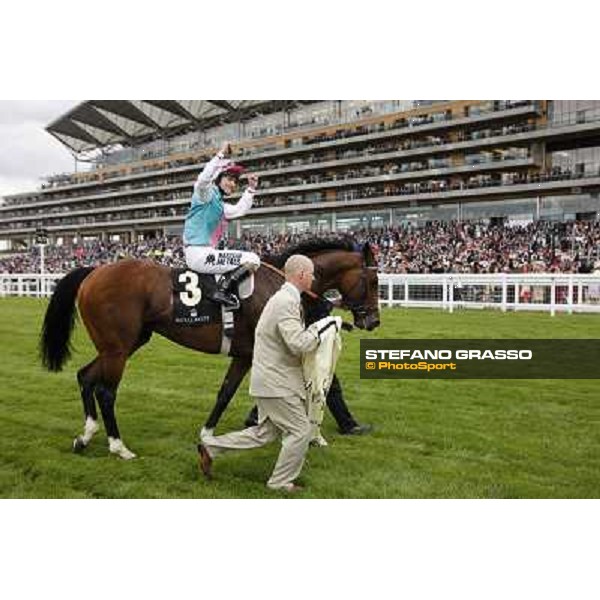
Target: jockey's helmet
point(232, 170)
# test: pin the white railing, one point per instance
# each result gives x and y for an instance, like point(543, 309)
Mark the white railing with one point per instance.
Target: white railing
point(520, 291)
point(540, 291)
point(32, 285)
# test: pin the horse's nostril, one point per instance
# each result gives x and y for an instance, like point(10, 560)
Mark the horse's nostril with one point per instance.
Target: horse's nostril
point(373, 324)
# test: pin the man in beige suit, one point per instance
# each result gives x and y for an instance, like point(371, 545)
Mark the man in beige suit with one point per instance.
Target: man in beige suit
point(277, 381)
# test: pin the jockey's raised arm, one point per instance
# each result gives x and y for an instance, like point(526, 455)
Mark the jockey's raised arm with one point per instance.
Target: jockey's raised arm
point(243, 205)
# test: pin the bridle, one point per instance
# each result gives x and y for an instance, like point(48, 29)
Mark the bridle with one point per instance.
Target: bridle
point(358, 307)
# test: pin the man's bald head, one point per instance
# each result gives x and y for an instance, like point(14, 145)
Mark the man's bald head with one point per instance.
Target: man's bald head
point(299, 270)
point(296, 263)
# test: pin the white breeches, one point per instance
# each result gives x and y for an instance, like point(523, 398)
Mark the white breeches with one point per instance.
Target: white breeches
point(205, 259)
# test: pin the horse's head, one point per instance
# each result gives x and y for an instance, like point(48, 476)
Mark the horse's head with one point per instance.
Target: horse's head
point(354, 275)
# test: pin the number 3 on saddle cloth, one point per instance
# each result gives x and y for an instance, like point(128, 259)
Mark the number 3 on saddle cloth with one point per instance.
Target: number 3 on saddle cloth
point(192, 304)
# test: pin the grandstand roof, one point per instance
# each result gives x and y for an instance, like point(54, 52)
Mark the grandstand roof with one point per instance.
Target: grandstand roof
point(95, 124)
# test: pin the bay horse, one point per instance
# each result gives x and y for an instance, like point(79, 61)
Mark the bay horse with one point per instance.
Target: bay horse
point(121, 304)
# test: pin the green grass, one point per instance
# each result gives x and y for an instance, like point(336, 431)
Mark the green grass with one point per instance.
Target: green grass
point(433, 439)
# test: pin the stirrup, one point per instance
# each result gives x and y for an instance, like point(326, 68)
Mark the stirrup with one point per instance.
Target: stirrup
point(234, 277)
point(227, 299)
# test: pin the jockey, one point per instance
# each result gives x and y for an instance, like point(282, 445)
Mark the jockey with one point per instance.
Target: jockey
point(207, 220)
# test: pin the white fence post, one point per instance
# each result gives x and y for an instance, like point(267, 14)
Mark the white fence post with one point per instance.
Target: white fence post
point(421, 291)
point(31, 285)
point(444, 293)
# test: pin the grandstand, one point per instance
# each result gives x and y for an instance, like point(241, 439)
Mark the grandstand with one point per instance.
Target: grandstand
point(324, 166)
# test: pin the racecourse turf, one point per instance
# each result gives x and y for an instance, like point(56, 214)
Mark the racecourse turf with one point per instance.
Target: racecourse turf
point(432, 439)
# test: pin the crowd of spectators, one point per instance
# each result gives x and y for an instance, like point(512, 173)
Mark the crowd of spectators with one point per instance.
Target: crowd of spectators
point(60, 259)
point(477, 247)
point(434, 247)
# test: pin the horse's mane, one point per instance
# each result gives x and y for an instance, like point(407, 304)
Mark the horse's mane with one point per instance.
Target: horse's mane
point(311, 247)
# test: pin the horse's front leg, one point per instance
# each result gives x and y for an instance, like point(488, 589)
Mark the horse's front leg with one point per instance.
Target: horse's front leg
point(237, 369)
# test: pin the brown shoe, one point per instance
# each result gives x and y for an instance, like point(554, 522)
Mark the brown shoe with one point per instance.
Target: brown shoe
point(204, 461)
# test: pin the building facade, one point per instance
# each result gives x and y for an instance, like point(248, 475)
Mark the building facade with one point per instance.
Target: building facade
point(324, 166)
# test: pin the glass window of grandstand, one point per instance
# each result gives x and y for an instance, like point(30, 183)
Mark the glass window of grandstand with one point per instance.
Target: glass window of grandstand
point(308, 224)
point(353, 110)
point(218, 135)
point(480, 108)
point(264, 126)
point(354, 221)
point(256, 227)
point(298, 226)
point(321, 113)
point(391, 106)
point(571, 112)
point(420, 215)
point(584, 207)
point(501, 211)
point(186, 143)
point(582, 162)
point(478, 157)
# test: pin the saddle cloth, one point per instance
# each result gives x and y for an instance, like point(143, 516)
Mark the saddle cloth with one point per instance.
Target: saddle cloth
point(192, 305)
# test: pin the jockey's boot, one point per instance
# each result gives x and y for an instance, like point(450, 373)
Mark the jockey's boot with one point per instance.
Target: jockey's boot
point(224, 293)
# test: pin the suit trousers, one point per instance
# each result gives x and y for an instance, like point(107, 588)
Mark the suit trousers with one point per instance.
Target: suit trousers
point(285, 416)
point(336, 404)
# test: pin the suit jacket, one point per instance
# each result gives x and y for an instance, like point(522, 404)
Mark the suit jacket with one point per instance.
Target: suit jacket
point(280, 342)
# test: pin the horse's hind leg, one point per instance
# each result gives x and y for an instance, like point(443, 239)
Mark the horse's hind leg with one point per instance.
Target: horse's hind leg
point(106, 394)
point(87, 379)
point(112, 367)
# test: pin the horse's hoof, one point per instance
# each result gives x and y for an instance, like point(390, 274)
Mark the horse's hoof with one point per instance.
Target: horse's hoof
point(127, 454)
point(120, 449)
point(78, 445)
point(124, 453)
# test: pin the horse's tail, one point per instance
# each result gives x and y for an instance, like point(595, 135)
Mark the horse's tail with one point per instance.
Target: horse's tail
point(55, 346)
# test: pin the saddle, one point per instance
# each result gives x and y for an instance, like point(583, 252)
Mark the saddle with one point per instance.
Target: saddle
point(192, 292)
